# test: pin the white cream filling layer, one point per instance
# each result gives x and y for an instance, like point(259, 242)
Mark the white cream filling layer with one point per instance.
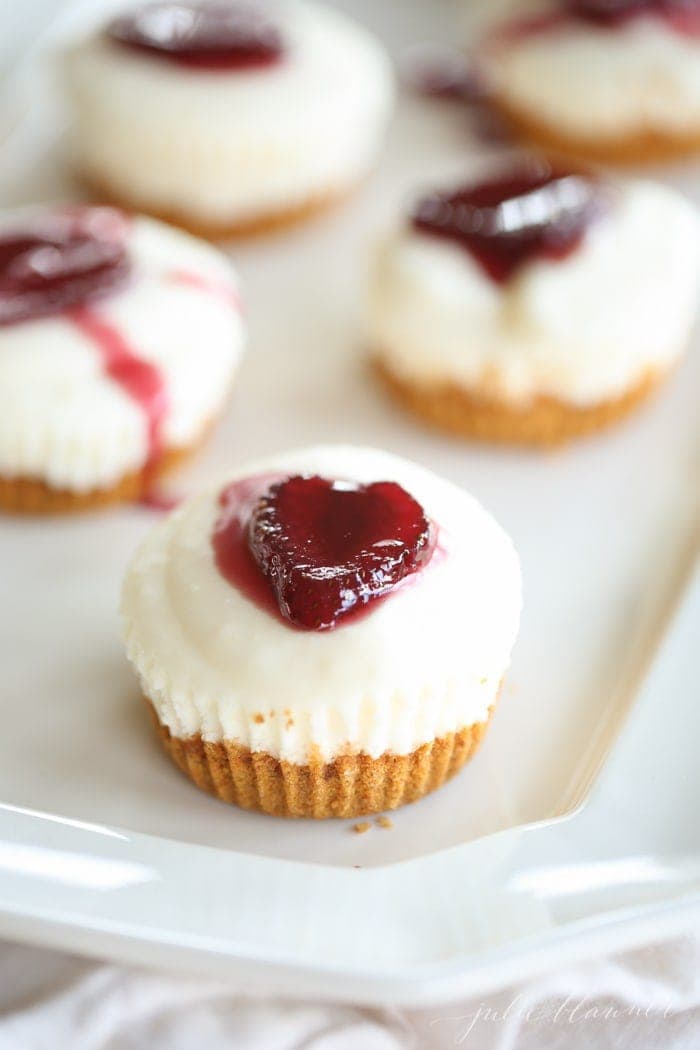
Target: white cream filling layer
point(603, 83)
point(426, 661)
point(583, 329)
point(65, 422)
point(223, 147)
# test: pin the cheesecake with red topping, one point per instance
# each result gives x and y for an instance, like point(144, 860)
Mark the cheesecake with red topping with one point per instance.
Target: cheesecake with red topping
point(119, 342)
point(325, 634)
point(528, 306)
point(610, 80)
point(227, 117)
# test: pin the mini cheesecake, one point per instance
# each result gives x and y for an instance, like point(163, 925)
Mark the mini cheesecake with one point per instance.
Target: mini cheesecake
point(610, 80)
point(230, 117)
point(325, 634)
point(529, 306)
point(119, 342)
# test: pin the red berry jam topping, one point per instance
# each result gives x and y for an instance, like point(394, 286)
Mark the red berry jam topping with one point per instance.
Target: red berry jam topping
point(319, 550)
point(530, 212)
point(681, 14)
point(59, 260)
point(211, 36)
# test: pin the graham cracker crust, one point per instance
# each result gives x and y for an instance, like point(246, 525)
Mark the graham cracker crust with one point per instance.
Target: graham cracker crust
point(254, 226)
point(353, 785)
point(25, 495)
point(545, 422)
point(650, 146)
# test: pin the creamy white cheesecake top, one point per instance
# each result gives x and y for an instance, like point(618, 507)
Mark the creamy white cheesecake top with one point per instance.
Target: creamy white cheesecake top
point(423, 662)
point(68, 416)
point(583, 329)
point(229, 145)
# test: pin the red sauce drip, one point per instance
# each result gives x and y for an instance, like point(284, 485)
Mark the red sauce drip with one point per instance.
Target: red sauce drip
point(209, 36)
point(317, 553)
point(230, 540)
point(219, 289)
point(55, 261)
point(530, 212)
point(140, 379)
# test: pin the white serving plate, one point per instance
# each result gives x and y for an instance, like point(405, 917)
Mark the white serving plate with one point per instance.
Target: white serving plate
point(547, 845)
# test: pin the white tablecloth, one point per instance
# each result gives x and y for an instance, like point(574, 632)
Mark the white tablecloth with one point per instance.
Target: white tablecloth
point(643, 999)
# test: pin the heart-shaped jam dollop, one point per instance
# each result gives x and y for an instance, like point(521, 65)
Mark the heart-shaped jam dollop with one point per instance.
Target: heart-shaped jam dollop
point(683, 15)
point(328, 547)
point(208, 35)
point(59, 260)
point(318, 550)
point(530, 212)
